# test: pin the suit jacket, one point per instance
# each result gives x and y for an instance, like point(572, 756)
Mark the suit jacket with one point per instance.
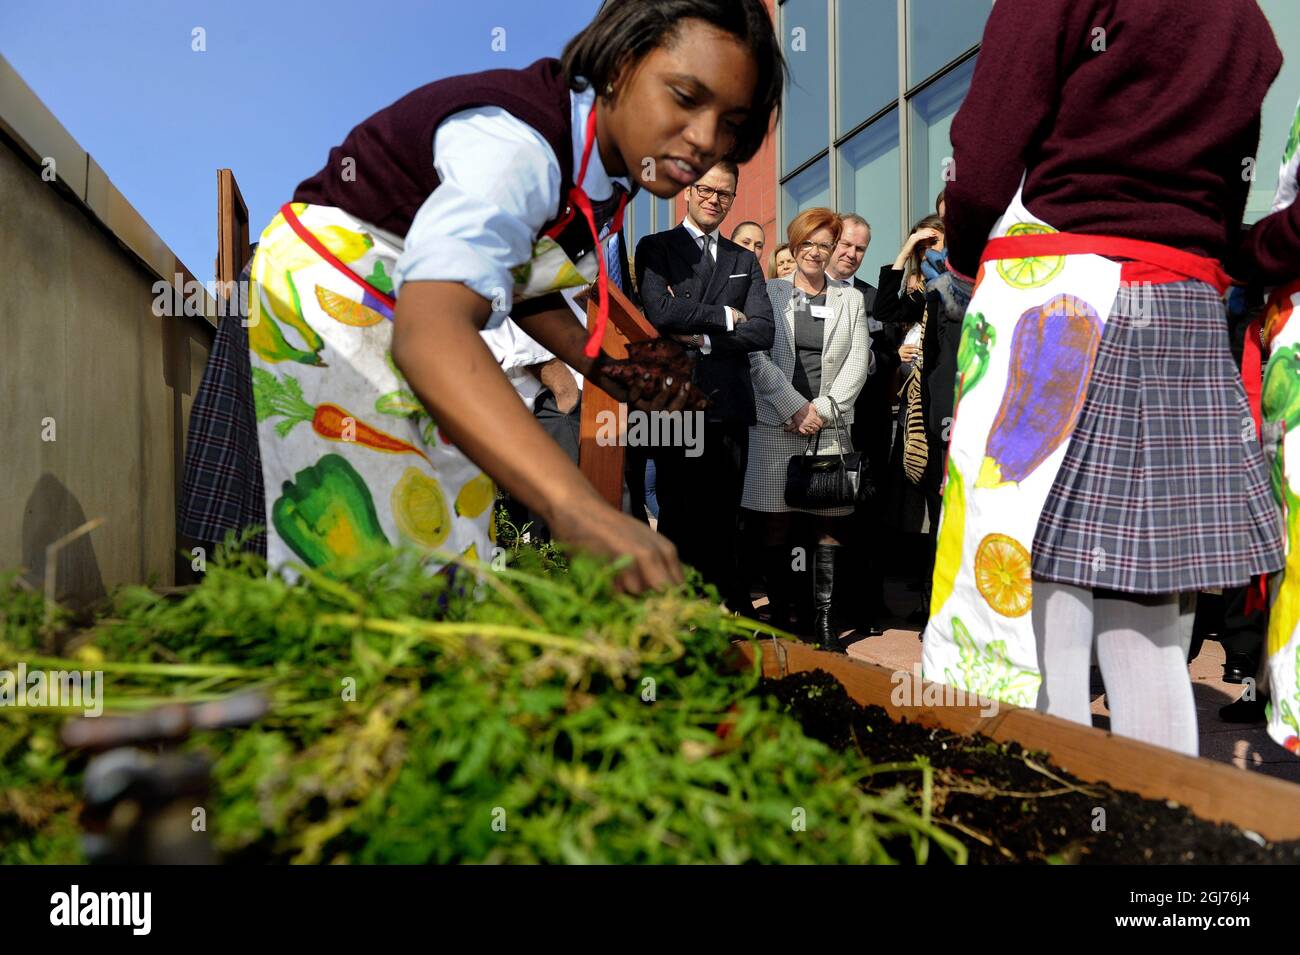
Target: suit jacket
point(683, 293)
point(884, 345)
point(873, 412)
point(846, 357)
point(939, 368)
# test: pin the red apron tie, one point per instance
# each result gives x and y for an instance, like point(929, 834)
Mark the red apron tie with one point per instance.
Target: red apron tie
point(318, 247)
point(578, 196)
point(1151, 261)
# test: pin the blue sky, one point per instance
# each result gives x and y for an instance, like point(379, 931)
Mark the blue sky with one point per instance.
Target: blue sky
point(281, 81)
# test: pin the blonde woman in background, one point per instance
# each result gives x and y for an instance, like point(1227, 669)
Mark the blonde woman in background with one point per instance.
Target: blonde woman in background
point(782, 263)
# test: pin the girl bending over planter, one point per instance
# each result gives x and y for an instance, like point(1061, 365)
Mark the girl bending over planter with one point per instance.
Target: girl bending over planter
point(382, 417)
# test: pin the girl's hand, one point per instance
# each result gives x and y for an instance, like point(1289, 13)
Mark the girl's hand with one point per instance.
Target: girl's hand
point(610, 376)
point(907, 353)
point(592, 526)
point(655, 376)
point(437, 346)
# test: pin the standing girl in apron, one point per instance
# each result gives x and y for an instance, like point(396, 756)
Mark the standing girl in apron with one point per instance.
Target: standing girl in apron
point(1103, 457)
point(382, 417)
point(1271, 256)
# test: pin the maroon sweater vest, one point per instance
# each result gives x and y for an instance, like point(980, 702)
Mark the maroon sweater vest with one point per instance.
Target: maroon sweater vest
point(391, 173)
point(1135, 118)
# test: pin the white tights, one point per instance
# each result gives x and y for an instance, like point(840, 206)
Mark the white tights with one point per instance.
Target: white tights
point(1142, 647)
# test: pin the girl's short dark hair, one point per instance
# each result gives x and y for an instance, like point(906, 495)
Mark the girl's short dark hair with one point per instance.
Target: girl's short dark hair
point(624, 31)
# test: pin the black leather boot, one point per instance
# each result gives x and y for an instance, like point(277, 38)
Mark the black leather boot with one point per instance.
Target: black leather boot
point(823, 598)
point(776, 578)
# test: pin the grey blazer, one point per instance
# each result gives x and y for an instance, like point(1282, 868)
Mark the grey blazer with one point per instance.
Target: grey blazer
point(847, 359)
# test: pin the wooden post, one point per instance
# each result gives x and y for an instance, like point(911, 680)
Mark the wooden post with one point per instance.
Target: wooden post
point(232, 233)
point(603, 465)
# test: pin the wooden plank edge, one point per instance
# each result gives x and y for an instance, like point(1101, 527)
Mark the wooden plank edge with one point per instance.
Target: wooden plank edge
point(1211, 790)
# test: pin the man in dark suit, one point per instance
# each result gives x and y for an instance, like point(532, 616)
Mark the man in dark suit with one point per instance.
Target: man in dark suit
point(709, 293)
point(872, 428)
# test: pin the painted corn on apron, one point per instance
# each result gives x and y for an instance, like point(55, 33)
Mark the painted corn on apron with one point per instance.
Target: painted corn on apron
point(351, 459)
point(1281, 410)
point(1028, 345)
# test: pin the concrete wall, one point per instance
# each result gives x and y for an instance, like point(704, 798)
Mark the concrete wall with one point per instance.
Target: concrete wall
point(84, 360)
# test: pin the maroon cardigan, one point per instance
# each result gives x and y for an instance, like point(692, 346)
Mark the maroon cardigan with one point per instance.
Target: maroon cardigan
point(1146, 139)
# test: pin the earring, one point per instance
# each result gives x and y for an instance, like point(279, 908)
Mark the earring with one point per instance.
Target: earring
point(609, 89)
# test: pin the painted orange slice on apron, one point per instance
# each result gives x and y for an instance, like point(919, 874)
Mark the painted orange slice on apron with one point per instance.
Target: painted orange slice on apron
point(420, 509)
point(1002, 575)
point(345, 310)
point(1034, 270)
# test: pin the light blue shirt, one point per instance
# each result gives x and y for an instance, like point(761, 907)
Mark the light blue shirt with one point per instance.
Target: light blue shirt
point(499, 185)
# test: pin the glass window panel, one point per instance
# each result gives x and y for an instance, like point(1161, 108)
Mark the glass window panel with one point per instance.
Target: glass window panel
point(664, 217)
point(869, 186)
point(1279, 107)
point(866, 38)
point(931, 149)
point(641, 224)
point(939, 31)
point(810, 188)
point(805, 115)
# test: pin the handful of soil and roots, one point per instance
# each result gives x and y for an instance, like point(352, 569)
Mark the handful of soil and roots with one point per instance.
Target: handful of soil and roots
point(656, 366)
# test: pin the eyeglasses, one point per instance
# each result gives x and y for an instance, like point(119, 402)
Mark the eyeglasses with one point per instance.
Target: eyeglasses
point(809, 246)
point(708, 192)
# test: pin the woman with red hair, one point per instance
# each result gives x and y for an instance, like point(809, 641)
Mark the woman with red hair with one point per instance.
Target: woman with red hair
point(804, 390)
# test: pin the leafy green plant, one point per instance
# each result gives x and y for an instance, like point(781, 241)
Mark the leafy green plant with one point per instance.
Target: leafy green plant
point(531, 717)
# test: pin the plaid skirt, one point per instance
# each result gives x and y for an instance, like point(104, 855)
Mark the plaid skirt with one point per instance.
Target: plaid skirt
point(1163, 488)
point(221, 490)
point(770, 451)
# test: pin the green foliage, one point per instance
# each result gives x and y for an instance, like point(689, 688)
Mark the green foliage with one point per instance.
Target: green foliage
point(513, 717)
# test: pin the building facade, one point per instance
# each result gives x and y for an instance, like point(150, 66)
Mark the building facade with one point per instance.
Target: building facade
point(874, 86)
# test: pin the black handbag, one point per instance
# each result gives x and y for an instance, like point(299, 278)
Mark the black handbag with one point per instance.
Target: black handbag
point(815, 480)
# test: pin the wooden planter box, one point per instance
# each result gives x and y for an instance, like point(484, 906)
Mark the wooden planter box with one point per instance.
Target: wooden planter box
point(1214, 791)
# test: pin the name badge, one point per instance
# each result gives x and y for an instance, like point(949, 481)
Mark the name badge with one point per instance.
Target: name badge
point(820, 311)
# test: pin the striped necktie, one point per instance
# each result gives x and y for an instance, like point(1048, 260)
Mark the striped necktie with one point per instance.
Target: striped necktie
point(614, 262)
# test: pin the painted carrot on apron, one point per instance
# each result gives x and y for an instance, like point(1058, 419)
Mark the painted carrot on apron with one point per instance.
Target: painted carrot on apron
point(283, 398)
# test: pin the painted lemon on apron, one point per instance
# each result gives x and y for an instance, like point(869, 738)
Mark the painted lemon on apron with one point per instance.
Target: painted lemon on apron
point(1034, 270)
point(476, 496)
point(420, 509)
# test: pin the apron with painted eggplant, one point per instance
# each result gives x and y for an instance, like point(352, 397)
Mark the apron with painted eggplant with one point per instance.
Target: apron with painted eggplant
point(1028, 345)
point(351, 459)
point(1281, 412)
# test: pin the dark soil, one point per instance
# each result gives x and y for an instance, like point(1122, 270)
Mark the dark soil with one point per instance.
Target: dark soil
point(1009, 805)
